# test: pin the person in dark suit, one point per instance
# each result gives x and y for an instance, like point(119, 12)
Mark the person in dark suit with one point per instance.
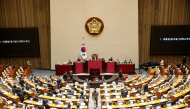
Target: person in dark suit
point(111, 59)
point(70, 75)
point(49, 84)
point(168, 78)
point(183, 70)
point(49, 93)
point(27, 87)
point(69, 62)
point(68, 107)
point(123, 94)
point(74, 88)
point(36, 97)
point(179, 64)
point(121, 74)
point(58, 82)
point(44, 105)
point(149, 63)
point(22, 81)
point(65, 76)
point(182, 82)
point(146, 87)
point(21, 95)
point(126, 91)
point(78, 59)
point(140, 67)
point(139, 90)
point(130, 61)
point(71, 92)
point(14, 89)
point(36, 87)
point(184, 59)
point(32, 76)
point(35, 80)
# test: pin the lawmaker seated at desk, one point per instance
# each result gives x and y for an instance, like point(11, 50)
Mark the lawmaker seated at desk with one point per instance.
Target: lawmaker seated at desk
point(78, 59)
point(120, 75)
point(110, 59)
point(70, 62)
point(130, 61)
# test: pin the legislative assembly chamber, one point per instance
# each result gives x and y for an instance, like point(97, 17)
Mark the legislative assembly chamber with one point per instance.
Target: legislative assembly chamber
point(94, 54)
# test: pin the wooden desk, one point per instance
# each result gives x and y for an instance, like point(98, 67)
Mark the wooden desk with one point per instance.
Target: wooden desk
point(53, 105)
point(78, 67)
point(60, 69)
point(180, 106)
point(110, 66)
point(126, 68)
point(11, 97)
point(33, 85)
point(61, 99)
point(127, 82)
point(94, 64)
point(139, 84)
point(138, 104)
point(164, 90)
point(126, 98)
point(179, 95)
point(12, 107)
point(157, 83)
point(45, 82)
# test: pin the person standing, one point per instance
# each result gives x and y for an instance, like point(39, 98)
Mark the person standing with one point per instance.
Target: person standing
point(162, 62)
point(95, 97)
point(184, 59)
point(28, 63)
point(58, 82)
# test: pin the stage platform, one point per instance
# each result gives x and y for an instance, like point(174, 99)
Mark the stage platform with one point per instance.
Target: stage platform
point(82, 78)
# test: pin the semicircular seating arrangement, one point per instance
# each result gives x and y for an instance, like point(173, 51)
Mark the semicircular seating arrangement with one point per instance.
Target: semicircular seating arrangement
point(160, 89)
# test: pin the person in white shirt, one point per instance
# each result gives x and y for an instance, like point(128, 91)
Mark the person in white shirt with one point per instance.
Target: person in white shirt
point(162, 62)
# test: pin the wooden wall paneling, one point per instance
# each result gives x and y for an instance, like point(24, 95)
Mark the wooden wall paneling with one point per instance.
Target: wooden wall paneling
point(28, 13)
point(160, 12)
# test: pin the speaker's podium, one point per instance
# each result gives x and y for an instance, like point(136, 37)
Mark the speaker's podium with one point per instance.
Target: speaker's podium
point(94, 74)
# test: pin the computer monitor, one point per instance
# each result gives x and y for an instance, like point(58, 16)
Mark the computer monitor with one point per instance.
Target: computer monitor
point(31, 99)
point(158, 107)
point(128, 95)
point(142, 100)
point(168, 104)
point(82, 104)
point(137, 94)
point(131, 102)
point(54, 95)
point(177, 103)
point(107, 97)
point(151, 99)
point(14, 104)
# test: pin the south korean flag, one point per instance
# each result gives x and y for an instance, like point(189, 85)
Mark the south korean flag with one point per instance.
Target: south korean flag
point(83, 51)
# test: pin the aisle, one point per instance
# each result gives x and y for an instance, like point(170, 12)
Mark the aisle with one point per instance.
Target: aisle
point(91, 103)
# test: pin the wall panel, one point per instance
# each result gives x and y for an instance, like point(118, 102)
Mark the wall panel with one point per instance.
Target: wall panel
point(28, 13)
point(160, 12)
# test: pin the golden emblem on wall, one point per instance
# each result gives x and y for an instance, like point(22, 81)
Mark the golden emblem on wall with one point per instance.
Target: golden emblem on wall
point(94, 26)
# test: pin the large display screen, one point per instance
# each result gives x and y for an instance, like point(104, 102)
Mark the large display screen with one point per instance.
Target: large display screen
point(172, 39)
point(19, 42)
